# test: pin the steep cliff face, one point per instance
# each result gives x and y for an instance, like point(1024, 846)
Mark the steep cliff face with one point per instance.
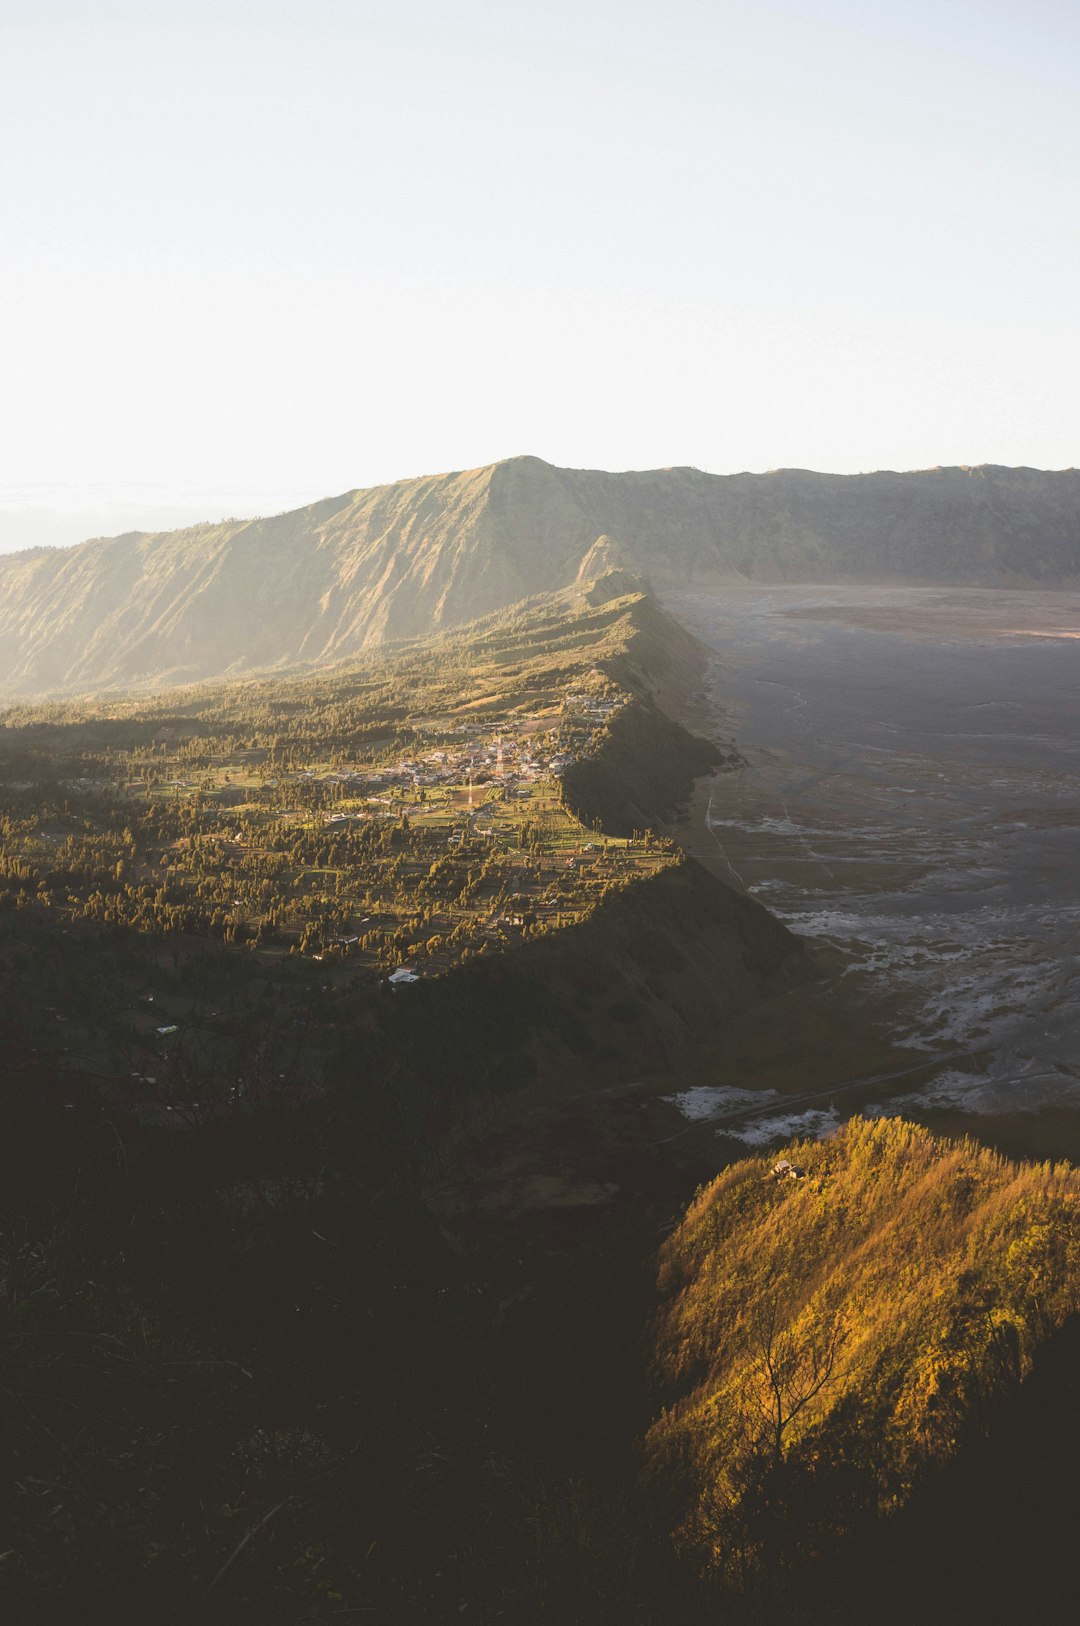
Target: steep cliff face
point(305, 586)
point(401, 560)
point(643, 773)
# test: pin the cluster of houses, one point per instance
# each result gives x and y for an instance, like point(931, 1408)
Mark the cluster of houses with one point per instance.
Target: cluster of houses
point(538, 747)
point(595, 708)
point(516, 760)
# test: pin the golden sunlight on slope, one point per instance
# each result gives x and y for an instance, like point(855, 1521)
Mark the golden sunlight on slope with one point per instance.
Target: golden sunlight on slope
point(829, 1334)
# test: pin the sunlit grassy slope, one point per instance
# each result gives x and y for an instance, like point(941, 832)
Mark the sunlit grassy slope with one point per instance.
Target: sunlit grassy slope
point(826, 1339)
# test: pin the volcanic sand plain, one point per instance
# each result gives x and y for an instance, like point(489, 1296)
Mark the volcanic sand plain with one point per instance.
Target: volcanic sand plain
point(910, 804)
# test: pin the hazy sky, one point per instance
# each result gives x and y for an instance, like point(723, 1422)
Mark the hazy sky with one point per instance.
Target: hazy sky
point(257, 251)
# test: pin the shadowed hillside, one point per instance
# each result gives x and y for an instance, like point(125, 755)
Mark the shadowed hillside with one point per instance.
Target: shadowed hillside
point(289, 1251)
point(326, 1294)
point(400, 560)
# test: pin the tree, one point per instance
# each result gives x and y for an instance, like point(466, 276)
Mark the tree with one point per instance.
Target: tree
point(791, 1367)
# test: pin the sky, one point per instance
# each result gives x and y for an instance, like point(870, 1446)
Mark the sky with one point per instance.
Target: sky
point(255, 252)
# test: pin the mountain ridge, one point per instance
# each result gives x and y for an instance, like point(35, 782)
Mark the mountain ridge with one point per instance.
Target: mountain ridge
point(374, 565)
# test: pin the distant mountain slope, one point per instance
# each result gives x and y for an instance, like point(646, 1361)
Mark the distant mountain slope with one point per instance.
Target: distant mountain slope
point(399, 560)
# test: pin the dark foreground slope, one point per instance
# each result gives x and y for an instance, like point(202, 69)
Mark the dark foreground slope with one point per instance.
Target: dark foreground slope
point(263, 1358)
point(399, 561)
point(368, 1336)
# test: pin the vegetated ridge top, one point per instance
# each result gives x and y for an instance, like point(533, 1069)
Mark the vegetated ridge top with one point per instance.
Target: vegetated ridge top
point(834, 1328)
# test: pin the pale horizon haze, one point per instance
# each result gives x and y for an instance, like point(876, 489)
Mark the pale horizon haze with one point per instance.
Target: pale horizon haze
point(257, 252)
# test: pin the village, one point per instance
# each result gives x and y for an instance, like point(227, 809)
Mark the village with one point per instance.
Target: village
point(393, 846)
point(362, 833)
point(522, 752)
